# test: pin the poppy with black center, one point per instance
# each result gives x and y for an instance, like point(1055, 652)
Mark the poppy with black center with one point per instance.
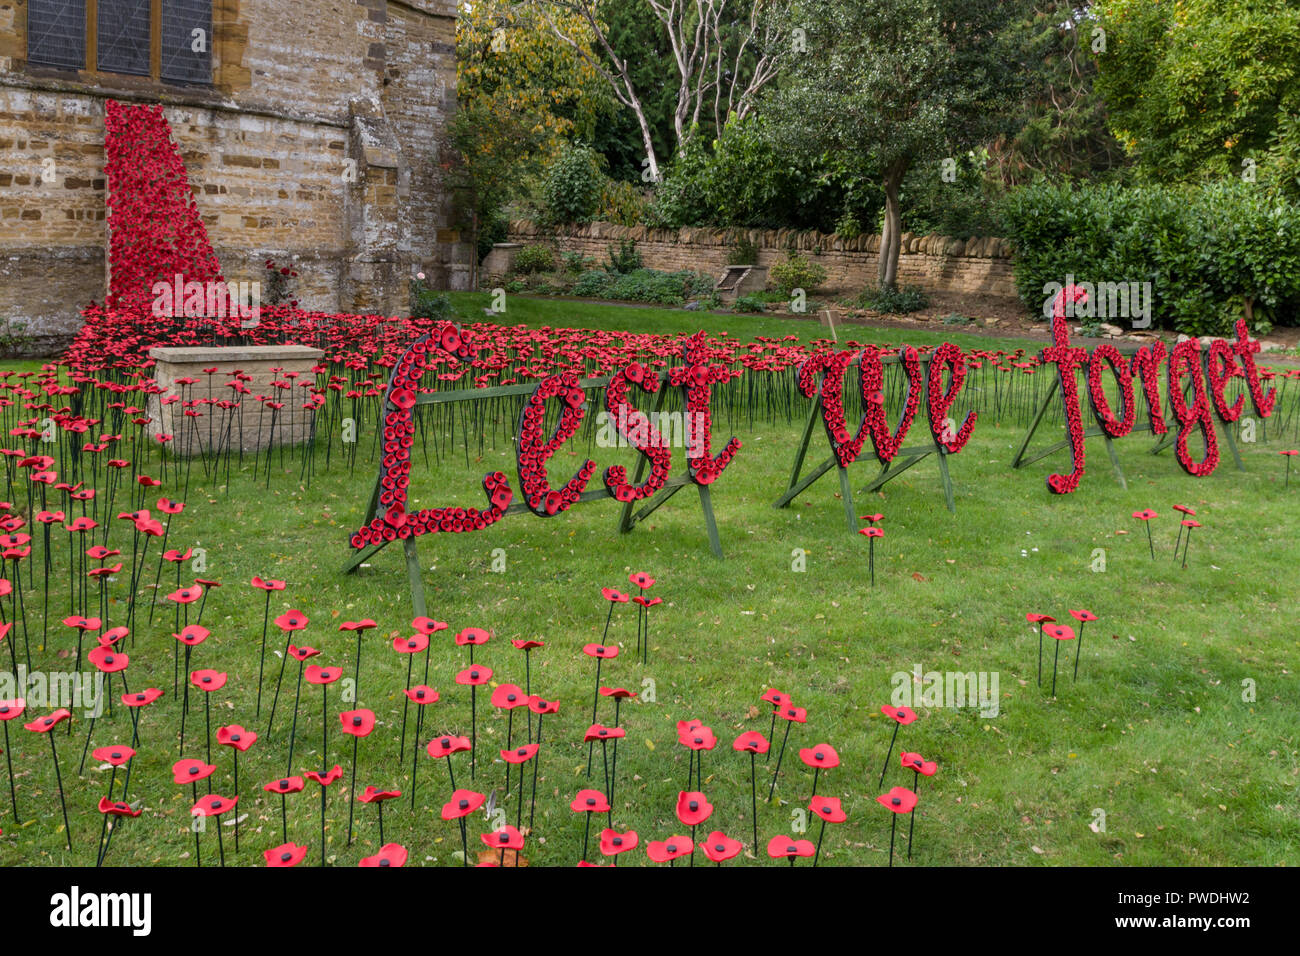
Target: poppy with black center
point(285, 785)
point(671, 849)
point(325, 778)
point(114, 756)
point(390, 854)
point(315, 674)
point(422, 694)
point(692, 808)
point(447, 745)
point(191, 771)
point(612, 843)
point(521, 754)
point(462, 804)
point(236, 737)
point(508, 697)
point(719, 847)
point(788, 848)
point(411, 645)
point(141, 698)
point(292, 621)
point(286, 854)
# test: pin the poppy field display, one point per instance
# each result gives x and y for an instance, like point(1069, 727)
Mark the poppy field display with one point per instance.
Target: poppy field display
point(192, 682)
point(573, 695)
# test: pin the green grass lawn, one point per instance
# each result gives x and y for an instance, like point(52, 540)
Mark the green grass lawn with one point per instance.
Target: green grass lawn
point(1156, 733)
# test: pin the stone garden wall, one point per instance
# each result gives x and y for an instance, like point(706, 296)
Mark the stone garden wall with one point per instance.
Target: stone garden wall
point(935, 263)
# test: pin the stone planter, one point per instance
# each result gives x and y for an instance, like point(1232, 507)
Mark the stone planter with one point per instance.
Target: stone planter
point(251, 425)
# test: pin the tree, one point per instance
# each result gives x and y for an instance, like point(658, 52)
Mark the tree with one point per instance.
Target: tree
point(1199, 87)
point(901, 82)
point(522, 95)
point(724, 52)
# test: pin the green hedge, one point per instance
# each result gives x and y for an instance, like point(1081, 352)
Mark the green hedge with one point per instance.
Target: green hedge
point(1203, 249)
point(644, 285)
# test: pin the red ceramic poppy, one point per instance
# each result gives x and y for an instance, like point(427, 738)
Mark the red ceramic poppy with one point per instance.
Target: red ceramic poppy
point(462, 804)
point(422, 694)
point(509, 696)
point(414, 644)
point(358, 723)
point(872, 532)
point(186, 595)
point(520, 754)
point(315, 674)
point(751, 742)
point(612, 843)
point(191, 771)
point(600, 732)
point(904, 715)
point(899, 800)
point(390, 854)
point(692, 808)
point(267, 585)
point(613, 596)
point(527, 644)
point(600, 650)
point(540, 706)
point(507, 838)
point(170, 507)
point(118, 808)
point(1146, 514)
point(872, 518)
point(83, 623)
point(911, 761)
point(326, 778)
point(141, 698)
point(1033, 618)
point(473, 635)
point(107, 660)
point(11, 709)
point(641, 579)
point(291, 621)
point(799, 715)
point(475, 676)
point(213, 805)
point(46, 724)
point(621, 693)
point(1059, 632)
point(447, 745)
point(362, 625)
point(1083, 616)
point(775, 697)
point(208, 680)
point(193, 635)
point(427, 625)
point(719, 847)
point(374, 795)
point(785, 848)
point(828, 808)
point(236, 737)
point(698, 737)
point(286, 854)
point(664, 851)
point(820, 755)
point(1190, 523)
point(285, 785)
point(113, 756)
point(589, 801)
point(1190, 512)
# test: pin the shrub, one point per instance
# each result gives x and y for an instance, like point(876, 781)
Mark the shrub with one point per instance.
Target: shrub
point(743, 253)
point(534, 258)
point(896, 301)
point(621, 203)
point(796, 272)
point(624, 258)
point(593, 284)
point(424, 303)
point(575, 263)
point(1204, 249)
point(748, 303)
point(572, 187)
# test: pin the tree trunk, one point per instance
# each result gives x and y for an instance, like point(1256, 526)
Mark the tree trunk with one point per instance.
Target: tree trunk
point(891, 234)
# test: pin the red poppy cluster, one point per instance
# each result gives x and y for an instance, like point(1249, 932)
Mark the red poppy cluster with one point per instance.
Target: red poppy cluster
point(533, 449)
point(1207, 376)
point(631, 423)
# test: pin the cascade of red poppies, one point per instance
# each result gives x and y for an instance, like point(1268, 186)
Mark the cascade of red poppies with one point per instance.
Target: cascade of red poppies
point(154, 228)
